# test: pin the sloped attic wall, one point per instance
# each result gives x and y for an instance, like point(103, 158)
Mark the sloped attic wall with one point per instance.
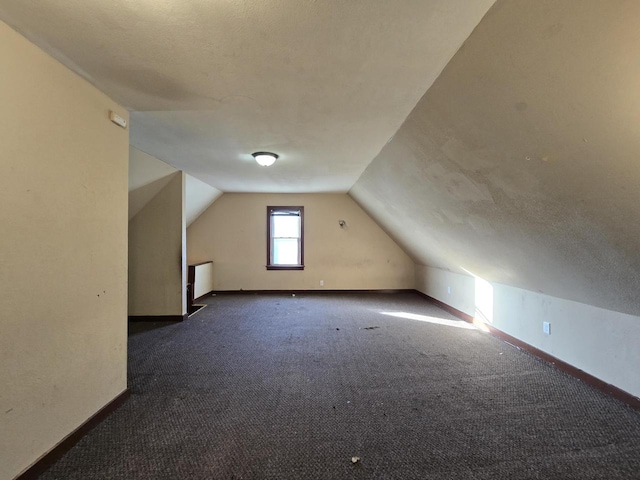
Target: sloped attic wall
point(157, 252)
point(149, 175)
point(521, 164)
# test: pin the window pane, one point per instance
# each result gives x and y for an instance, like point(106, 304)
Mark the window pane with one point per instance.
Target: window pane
point(285, 251)
point(285, 226)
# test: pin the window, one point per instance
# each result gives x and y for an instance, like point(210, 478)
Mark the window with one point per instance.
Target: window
point(285, 238)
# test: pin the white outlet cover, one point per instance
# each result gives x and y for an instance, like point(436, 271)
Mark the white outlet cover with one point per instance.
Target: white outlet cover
point(546, 328)
point(117, 119)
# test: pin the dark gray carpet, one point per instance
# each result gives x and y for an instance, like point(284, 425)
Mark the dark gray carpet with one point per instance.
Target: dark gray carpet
point(284, 387)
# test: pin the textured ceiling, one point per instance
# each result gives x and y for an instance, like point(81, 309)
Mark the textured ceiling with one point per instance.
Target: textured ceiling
point(323, 83)
point(522, 163)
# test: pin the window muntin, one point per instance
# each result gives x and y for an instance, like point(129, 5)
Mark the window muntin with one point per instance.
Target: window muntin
point(285, 238)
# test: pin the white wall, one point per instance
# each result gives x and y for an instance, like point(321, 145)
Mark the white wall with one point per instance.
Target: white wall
point(204, 280)
point(157, 269)
point(63, 252)
point(232, 233)
point(601, 342)
point(199, 197)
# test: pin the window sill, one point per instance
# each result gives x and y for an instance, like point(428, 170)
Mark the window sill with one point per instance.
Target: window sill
point(285, 267)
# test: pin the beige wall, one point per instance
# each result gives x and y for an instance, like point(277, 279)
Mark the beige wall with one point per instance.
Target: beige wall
point(601, 342)
point(157, 270)
point(63, 252)
point(232, 233)
point(147, 176)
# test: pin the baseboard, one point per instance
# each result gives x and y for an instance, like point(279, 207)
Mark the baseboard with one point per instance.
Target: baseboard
point(312, 292)
point(453, 311)
point(158, 318)
point(53, 455)
point(585, 377)
point(202, 297)
point(581, 375)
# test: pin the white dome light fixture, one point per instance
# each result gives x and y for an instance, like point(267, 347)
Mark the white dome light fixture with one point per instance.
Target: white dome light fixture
point(265, 158)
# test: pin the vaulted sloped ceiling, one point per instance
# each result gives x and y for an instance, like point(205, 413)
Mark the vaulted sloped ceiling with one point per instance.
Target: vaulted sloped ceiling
point(148, 176)
point(521, 164)
point(323, 83)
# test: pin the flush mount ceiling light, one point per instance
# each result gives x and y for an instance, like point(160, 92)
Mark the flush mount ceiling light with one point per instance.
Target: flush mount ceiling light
point(265, 158)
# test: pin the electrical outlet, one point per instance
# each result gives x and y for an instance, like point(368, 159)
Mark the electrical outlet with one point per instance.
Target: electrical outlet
point(322, 283)
point(449, 289)
point(546, 328)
